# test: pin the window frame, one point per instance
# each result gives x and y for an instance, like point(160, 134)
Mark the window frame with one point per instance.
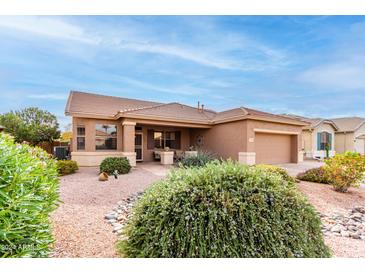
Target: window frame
point(164, 139)
point(324, 140)
point(107, 137)
point(78, 135)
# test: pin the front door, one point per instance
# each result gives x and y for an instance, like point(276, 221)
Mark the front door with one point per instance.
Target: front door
point(138, 145)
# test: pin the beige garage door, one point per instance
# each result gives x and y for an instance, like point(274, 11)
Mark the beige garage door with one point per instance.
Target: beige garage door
point(272, 148)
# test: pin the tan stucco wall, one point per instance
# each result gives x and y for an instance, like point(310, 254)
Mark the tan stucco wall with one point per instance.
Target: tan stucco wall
point(310, 140)
point(252, 125)
point(359, 145)
point(344, 142)
point(307, 140)
point(90, 132)
point(225, 140)
point(148, 153)
point(323, 127)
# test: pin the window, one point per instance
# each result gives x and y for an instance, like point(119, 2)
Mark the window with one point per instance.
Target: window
point(170, 140)
point(105, 137)
point(324, 140)
point(157, 137)
point(162, 139)
point(80, 137)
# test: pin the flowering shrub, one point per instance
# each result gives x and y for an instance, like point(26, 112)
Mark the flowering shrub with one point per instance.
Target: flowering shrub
point(316, 175)
point(223, 210)
point(345, 170)
point(28, 194)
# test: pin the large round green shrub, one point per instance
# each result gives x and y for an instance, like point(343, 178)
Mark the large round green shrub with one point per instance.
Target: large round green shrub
point(28, 194)
point(66, 167)
point(112, 164)
point(223, 210)
point(316, 175)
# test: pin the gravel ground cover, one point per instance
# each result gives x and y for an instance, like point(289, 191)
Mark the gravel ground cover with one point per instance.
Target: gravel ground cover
point(337, 207)
point(79, 225)
point(82, 229)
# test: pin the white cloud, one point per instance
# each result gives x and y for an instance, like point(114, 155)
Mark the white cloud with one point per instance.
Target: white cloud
point(50, 96)
point(183, 90)
point(336, 76)
point(48, 27)
point(136, 38)
point(197, 57)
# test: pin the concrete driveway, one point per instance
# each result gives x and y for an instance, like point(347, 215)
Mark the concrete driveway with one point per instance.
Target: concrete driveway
point(294, 169)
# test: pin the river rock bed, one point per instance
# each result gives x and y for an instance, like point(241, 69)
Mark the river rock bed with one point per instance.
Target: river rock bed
point(120, 215)
point(351, 224)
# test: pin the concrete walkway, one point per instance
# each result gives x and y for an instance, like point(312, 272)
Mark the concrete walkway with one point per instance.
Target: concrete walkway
point(295, 169)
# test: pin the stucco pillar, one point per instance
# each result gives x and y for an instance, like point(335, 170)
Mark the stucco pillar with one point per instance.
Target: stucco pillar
point(248, 155)
point(248, 158)
point(128, 141)
point(296, 153)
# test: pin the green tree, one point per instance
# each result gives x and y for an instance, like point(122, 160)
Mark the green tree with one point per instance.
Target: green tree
point(31, 124)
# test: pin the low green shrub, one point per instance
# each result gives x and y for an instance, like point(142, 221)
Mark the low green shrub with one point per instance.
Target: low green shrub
point(200, 160)
point(223, 210)
point(28, 194)
point(277, 170)
point(112, 164)
point(345, 170)
point(66, 167)
point(316, 175)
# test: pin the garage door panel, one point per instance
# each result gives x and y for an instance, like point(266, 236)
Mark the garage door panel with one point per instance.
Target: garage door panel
point(272, 148)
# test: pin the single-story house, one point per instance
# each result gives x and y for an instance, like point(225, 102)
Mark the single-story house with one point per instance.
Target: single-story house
point(1, 128)
point(317, 136)
point(350, 135)
point(112, 126)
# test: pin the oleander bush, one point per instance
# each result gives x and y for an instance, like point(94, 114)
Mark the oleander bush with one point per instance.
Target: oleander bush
point(316, 175)
point(223, 210)
point(66, 167)
point(200, 160)
point(345, 170)
point(28, 194)
point(277, 170)
point(112, 164)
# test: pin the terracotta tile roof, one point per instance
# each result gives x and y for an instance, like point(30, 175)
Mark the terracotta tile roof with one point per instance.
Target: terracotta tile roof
point(313, 122)
point(173, 111)
point(348, 124)
point(228, 114)
point(82, 103)
point(89, 103)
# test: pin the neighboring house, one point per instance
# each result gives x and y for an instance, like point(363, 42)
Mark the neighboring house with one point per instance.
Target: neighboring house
point(111, 126)
point(350, 135)
point(1, 128)
point(317, 136)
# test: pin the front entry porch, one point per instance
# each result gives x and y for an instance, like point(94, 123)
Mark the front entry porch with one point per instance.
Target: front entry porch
point(158, 143)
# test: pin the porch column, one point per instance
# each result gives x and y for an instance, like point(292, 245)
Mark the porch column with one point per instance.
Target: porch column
point(128, 141)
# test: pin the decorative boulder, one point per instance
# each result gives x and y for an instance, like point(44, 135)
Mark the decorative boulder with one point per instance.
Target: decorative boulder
point(103, 176)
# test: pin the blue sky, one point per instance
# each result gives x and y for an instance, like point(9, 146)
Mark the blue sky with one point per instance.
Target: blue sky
point(312, 66)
